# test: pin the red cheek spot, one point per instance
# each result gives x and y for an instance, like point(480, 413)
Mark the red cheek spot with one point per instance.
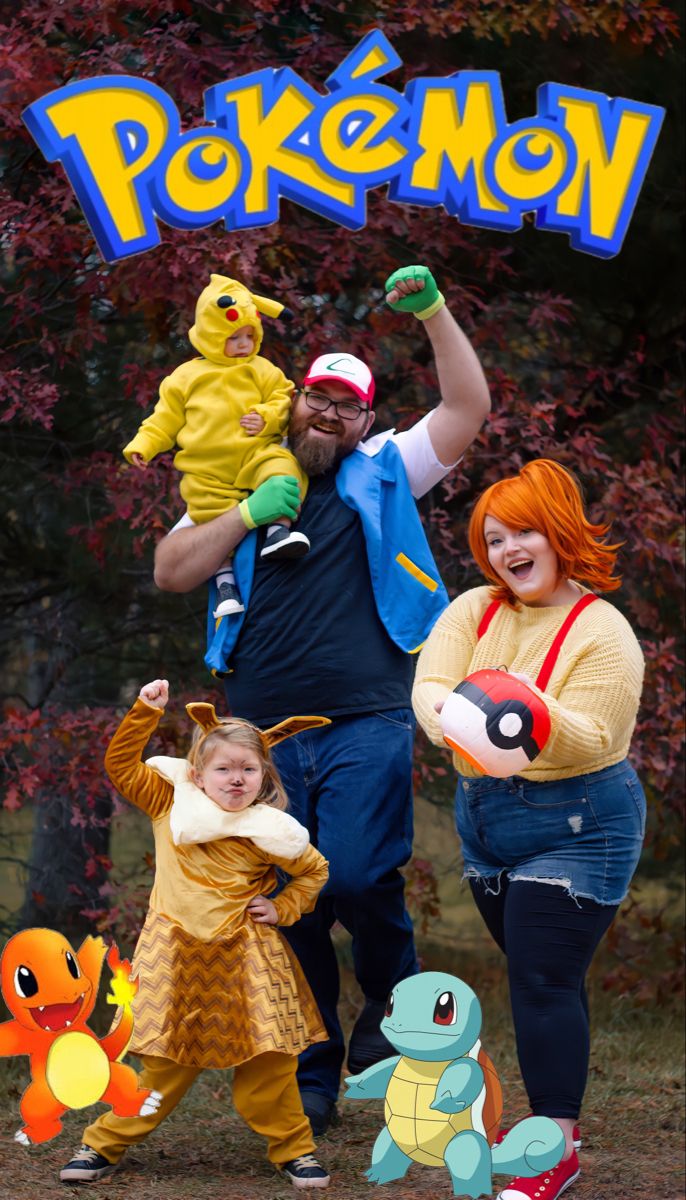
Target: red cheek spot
point(232, 314)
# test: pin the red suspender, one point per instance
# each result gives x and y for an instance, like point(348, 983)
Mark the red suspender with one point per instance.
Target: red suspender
point(550, 659)
point(487, 618)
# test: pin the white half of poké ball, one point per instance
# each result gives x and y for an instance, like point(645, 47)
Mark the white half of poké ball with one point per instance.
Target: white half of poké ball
point(496, 722)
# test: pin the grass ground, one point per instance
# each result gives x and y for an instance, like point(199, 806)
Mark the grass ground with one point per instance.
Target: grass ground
point(632, 1124)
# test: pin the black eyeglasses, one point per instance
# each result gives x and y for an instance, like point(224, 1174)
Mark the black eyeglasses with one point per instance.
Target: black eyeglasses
point(344, 408)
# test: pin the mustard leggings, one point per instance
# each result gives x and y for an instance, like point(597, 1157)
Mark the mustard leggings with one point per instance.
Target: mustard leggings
point(265, 1094)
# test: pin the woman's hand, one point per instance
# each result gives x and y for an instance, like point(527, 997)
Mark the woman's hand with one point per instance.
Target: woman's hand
point(438, 706)
point(524, 678)
point(156, 693)
point(263, 911)
point(139, 462)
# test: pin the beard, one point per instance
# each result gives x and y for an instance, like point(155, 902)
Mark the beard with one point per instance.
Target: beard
point(318, 455)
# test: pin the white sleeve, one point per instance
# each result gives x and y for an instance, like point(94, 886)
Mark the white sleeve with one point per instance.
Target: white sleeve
point(424, 470)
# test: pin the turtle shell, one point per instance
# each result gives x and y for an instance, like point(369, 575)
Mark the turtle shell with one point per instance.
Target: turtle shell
point(422, 1132)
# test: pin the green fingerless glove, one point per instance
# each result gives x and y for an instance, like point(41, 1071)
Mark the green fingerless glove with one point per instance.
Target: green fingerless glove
point(278, 496)
point(424, 303)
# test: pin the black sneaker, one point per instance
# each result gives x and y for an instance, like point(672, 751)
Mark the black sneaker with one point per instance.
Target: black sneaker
point(229, 600)
point(320, 1111)
point(86, 1167)
point(285, 543)
point(305, 1172)
point(368, 1046)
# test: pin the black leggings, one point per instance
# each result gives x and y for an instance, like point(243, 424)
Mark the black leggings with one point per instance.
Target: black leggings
point(549, 939)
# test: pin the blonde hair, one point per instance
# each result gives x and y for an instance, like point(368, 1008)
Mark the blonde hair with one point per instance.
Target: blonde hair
point(546, 497)
point(240, 733)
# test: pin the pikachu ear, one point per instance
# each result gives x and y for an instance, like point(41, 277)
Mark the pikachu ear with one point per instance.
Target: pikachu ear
point(203, 714)
point(286, 729)
point(271, 308)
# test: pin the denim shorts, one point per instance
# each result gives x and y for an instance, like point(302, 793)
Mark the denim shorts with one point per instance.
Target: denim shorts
point(584, 833)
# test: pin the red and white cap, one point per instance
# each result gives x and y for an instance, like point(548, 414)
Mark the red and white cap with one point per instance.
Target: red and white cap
point(344, 368)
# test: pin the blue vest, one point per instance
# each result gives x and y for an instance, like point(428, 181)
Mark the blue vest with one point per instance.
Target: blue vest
point(408, 590)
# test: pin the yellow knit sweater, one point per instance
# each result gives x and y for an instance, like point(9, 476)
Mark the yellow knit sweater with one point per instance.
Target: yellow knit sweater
point(593, 693)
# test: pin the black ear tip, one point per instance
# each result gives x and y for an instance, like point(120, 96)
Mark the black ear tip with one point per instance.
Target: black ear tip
point(286, 315)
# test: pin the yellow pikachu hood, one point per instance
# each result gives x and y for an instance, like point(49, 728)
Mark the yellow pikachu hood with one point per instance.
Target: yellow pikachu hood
point(224, 307)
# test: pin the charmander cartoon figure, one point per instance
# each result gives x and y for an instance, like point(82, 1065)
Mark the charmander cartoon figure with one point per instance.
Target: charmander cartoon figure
point(51, 991)
point(228, 412)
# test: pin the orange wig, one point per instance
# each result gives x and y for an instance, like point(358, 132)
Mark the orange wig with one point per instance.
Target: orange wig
point(546, 497)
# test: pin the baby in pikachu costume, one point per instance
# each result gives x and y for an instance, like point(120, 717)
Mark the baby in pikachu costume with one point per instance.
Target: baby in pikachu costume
point(227, 412)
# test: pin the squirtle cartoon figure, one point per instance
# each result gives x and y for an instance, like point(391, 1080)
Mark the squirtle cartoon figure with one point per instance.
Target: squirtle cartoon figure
point(443, 1100)
point(51, 990)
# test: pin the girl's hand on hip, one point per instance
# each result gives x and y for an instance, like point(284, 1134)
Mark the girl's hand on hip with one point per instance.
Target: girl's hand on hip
point(156, 693)
point(263, 911)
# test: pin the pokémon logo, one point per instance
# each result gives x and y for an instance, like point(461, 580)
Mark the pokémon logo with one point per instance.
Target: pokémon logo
point(578, 165)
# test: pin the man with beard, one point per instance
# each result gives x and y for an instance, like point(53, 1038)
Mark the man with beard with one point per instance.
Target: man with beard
point(333, 634)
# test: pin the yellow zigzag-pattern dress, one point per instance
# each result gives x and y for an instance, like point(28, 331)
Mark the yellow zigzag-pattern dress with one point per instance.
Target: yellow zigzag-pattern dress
point(214, 988)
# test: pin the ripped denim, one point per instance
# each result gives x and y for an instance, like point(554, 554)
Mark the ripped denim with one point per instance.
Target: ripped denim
point(582, 834)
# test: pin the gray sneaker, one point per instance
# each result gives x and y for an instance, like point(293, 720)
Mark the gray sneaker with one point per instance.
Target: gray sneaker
point(86, 1167)
point(285, 543)
point(229, 600)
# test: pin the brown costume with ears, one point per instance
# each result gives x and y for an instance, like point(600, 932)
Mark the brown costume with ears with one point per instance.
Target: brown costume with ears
point(215, 988)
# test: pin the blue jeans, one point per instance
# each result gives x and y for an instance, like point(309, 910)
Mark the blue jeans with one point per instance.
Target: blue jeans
point(351, 785)
point(584, 833)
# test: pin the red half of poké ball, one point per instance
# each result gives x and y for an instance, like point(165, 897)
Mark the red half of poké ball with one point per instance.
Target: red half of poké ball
point(495, 721)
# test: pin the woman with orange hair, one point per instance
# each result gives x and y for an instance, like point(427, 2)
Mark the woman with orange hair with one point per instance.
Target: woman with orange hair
point(549, 853)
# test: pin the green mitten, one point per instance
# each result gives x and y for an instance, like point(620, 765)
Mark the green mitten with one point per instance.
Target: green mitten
point(424, 303)
point(278, 496)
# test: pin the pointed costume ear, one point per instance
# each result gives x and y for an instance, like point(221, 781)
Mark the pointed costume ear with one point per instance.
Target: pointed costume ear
point(204, 715)
point(286, 729)
point(271, 308)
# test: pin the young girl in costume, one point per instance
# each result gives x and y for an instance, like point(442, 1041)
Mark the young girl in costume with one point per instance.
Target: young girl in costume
point(549, 852)
point(228, 412)
point(217, 984)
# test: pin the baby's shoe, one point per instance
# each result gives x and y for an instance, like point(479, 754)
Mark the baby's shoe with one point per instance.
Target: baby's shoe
point(282, 542)
point(229, 600)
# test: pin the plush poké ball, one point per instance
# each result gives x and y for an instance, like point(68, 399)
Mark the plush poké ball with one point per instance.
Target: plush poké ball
point(495, 721)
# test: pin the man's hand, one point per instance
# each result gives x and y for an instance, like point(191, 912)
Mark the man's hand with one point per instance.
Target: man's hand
point(277, 497)
point(139, 462)
point(413, 289)
point(252, 422)
point(263, 911)
point(156, 694)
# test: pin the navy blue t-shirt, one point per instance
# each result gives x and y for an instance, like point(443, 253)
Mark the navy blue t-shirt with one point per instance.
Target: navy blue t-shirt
point(312, 641)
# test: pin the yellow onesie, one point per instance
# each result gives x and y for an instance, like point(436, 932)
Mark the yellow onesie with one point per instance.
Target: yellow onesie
point(202, 401)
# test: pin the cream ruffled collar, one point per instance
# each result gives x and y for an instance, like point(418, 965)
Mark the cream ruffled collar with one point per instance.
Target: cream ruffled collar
point(195, 818)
